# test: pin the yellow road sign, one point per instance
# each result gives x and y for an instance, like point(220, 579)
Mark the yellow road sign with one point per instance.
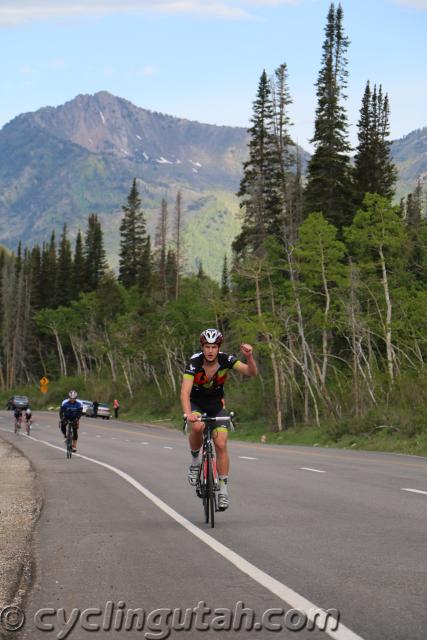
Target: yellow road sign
point(44, 381)
point(44, 388)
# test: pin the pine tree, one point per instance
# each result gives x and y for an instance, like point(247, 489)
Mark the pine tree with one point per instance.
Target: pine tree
point(374, 169)
point(171, 271)
point(48, 279)
point(94, 253)
point(200, 272)
point(145, 268)
point(79, 266)
point(417, 230)
point(65, 292)
point(133, 239)
point(260, 193)
point(36, 283)
point(160, 247)
point(18, 261)
point(285, 153)
point(415, 205)
point(225, 278)
point(329, 187)
point(178, 231)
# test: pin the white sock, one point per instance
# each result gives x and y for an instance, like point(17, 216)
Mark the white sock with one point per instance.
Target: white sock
point(223, 484)
point(195, 458)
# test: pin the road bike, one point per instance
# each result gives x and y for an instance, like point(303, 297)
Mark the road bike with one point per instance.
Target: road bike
point(18, 423)
point(28, 425)
point(207, 485)
point(69, 428)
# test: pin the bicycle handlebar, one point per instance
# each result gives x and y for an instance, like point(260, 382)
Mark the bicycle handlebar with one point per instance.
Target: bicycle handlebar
point(206, 418)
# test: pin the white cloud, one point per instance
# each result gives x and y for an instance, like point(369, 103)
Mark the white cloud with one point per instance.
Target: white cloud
point(26, 70)
point(19, 11)
point(416, 4)
point(59, 64)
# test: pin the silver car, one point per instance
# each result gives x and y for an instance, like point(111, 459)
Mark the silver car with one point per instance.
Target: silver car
point(87, 404)
point(103, 411)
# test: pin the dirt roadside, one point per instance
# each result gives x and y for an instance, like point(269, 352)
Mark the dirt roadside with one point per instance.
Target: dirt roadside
point(20, 505)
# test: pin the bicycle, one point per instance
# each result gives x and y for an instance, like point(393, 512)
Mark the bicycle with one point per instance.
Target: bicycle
point(207, 485)
point(69, 427)
point(28, 424)
point(18, 422)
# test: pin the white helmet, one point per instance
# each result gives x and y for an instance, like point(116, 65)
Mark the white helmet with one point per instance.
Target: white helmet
point(72, 394)
point(28, 410)
point(211, 336)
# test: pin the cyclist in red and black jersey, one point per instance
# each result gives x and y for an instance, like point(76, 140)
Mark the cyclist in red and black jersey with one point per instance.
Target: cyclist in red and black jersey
point(202, 391)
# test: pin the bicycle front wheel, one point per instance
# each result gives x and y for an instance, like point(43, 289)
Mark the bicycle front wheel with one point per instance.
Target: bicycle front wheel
point(205, 475)
point(69, 441)
point(210, 492)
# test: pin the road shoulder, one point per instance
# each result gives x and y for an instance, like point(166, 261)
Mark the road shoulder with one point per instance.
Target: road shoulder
point(20, 506)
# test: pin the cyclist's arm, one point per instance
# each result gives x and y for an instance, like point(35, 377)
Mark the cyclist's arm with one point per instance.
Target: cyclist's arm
point(250, 367)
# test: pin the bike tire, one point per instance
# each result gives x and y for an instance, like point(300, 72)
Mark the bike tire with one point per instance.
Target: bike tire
point(210, 492)
point(69, 441)
point(205, 487)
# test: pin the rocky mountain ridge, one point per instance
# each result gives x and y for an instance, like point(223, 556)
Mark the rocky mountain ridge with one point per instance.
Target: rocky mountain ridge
point(59, 164)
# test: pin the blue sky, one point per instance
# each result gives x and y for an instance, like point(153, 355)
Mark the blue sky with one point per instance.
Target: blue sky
point(201, 59)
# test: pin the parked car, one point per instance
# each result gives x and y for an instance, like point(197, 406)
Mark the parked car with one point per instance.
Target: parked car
point(20, 402)
point(103, 411)
point(86, 405)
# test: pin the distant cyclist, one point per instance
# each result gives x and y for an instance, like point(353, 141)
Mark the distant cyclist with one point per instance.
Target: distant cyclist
point(28, 418)
point(17, 414)
point(71, 410)
point(202, 391)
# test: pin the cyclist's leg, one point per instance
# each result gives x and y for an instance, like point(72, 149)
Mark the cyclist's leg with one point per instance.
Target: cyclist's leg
point(75, 434)
point(220, 438)
point(195, 440)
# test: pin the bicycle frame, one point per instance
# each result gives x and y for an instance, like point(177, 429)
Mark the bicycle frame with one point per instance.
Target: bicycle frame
point(69, 437)
point(207, 484)
point(28, 425)
point(18, 424)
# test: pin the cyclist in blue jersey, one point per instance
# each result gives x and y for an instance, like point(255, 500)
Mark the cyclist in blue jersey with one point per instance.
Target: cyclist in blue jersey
point(71, 409)
point(202, 391)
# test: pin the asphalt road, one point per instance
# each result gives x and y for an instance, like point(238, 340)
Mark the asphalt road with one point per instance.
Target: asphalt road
point(307, 529)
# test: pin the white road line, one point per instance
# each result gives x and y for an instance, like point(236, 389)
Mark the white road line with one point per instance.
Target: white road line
point(126, 440)
point(84, 433)
point(98, 436)
point(144, 443)
point(309, 469)
point(167, 447)
point(288, 595)
point(415, 491)
point(113, 438)
point(247, 458)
